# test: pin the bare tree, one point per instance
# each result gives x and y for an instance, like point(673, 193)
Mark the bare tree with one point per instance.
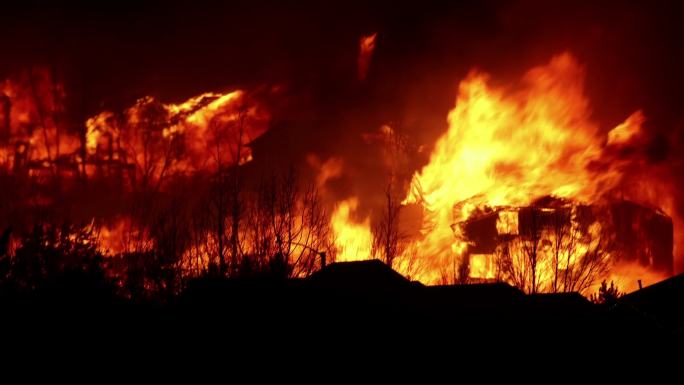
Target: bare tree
point(39, 103)
point(554, 252)
point(198, 256)
point(236, 188)
point(387, 242)
point(227, 144)
point(592, 263)
point(145, 145)
point(517, 259)
point(288, 229)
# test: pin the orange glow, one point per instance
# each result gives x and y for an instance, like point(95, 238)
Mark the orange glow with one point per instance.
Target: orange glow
point(328, 170)
point(153, 138)
point(123, 236)
point(482, 266)
point(211, 128)
point(627, 130)
point(352, 239)
point(506, 147)
point(366, 47)
point(626, 277)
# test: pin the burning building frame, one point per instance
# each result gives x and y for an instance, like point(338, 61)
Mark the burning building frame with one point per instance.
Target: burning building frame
point(555, 244)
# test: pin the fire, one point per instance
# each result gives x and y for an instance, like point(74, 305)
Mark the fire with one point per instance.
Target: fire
point(31, 111)
point(512, 155)
point(507, 147)
point(208, 131)
point(149, 141)
point(512, 149)
point(626, 277)
point(330, 169)
point(352, 239)
point(366, 48)
point(123, 236)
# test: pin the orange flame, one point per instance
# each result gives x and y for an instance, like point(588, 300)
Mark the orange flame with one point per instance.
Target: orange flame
point(366, 48)
point(352, 239)
point(205, 132)
point(508, 147)
point(211, 127)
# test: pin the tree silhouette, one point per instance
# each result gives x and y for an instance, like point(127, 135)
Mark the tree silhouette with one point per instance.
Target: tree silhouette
point(288, 227)
point(387, 240)
point(555, 251)
point(50, 254)
point(606, 294)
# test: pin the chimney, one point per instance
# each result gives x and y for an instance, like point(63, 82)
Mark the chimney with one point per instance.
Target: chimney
point(639, 281)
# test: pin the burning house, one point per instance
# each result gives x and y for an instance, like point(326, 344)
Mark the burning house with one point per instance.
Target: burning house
point(559, 233)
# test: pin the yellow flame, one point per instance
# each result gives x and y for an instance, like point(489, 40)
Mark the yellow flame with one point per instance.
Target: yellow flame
point(352, 239)
point(506, 147)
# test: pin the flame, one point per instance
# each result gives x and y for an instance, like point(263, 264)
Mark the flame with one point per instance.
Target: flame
point(123, 235)
point(626, 277)
point(482, 266)
point(31, 126)
point(366, 48)
point(507, 147)
point(155, 139)
point(205, 132)
point(330, 169)
point(513, 149)
point(352, 239)
point(627, 130)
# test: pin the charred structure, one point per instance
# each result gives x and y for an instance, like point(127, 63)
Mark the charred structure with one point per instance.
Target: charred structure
point(634, 233)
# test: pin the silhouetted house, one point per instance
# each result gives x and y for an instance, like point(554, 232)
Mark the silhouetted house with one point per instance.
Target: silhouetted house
point(371, 275)
point(663, 302)
point(370, 293)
